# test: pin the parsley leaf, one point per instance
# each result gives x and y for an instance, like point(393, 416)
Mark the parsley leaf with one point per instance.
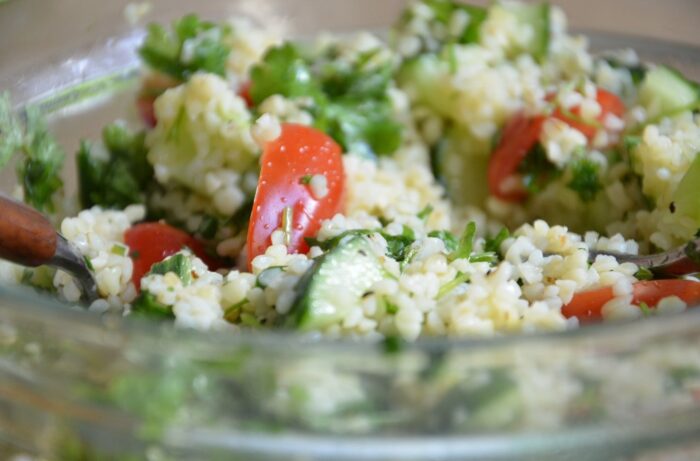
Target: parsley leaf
point(40, 167)
point(493, 244)
point(447, 237)
point(147, 304)
point(362, 127)
point(398, 246)
point(178, 263)
point(459, 279)
point(644, 274)
point(192, 45)
point(208, 227)
point(585, 181)
point(283, 70)
point(349, 98)
point(425, 212)
point(442, 13)
point(637, 72)
point(118, 177)
point(646, 310)
point(536, 169)
point(466, 243)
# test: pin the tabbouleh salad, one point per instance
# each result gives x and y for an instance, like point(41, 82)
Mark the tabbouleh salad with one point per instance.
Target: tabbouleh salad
point(448, 181)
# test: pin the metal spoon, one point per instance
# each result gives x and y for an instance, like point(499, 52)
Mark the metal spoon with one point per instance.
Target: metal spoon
point(28, 238)
point(679, 261)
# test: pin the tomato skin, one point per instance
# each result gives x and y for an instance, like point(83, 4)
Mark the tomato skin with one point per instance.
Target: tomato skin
point(609, 104)
point(587, 306)
point(244, 92)
point(144, 104)
point(153, 85)
point(152, 242)
point(300, 151)
point(519, 136)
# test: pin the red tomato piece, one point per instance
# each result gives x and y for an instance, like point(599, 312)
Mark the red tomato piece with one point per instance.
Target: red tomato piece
point(522, 133)
point(144, 103)
point(288, 164)
point(244, 92)
point(152, 242)
point(587, 306)
point(519, 136)
point(153, 85)
point(609, 104)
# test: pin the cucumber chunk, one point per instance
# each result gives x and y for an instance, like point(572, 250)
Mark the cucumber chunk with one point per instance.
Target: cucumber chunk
point(536, 16)
point(427, 79)
point(335, 284)
point(665, 92)
point(460, 163)
point(686, 198)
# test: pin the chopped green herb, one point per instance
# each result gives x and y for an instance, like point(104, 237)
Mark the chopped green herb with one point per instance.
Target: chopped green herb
point(408, 233)
point(349, 99)
point(88, 263)
point(359, 80)
point(644, 274)
point(493, 245)
point(178, 263)
point(637, 72)
point(283, 70)
point(305, 180)
point(442, 13)
point(363, 127)
point(249, 320)
point(585, 181)
point(265, 277)
point(191, 46)
point(459, 279)
point(448, 239)
point(398, 246)
point(232, 312)
point(407, 258)
point(208, 227)
point(392, 344)
point(466, 243)
point(425, 212)
point(120, 176)
point(646, 310)
point(119, 250)
point(390, 307)
point(631, 142)
point(147, 304)
point(239, 221)
point(491, 258)
point(536, 170)
point(39, 170)
point(134, 254)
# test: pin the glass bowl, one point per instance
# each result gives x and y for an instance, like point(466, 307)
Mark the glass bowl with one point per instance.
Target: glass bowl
point(75, 386)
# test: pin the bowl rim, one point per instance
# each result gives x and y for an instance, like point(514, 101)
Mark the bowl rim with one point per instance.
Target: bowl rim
point(93, 328)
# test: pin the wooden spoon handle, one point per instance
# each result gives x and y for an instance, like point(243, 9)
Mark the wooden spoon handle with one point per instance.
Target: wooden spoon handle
point(26, 236)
